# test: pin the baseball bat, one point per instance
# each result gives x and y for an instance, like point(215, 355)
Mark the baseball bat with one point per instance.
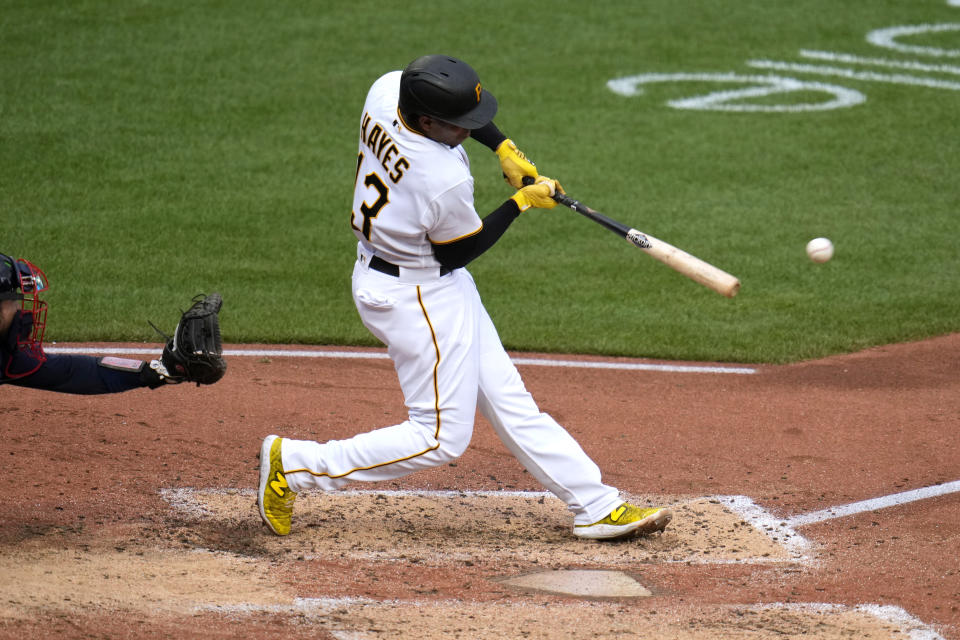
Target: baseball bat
point(677, 259)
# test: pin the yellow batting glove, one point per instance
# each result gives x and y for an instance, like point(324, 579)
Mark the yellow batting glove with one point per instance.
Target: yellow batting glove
point(514, 164)
point(539, 194)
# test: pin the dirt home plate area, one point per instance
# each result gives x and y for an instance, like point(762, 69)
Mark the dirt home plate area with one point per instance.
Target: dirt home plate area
point(819, 499)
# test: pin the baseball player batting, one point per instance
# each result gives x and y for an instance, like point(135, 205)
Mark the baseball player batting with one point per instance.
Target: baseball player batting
point(417, 229)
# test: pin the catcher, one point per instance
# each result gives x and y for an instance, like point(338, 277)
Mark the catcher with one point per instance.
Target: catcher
point(193, 354)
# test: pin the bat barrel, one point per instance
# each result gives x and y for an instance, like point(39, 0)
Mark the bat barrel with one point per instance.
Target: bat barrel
point(692, 267)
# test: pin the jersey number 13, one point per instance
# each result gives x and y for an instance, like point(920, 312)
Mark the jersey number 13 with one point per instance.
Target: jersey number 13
point(370, 211)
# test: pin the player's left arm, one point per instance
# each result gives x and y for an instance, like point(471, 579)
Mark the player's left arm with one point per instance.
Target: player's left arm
point(461, 251)
point(513, 163)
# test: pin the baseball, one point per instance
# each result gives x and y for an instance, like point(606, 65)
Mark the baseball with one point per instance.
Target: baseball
point(820, 249)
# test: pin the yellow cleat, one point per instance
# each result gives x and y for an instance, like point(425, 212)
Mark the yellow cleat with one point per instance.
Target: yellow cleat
point(624, 521)
point(274, 498)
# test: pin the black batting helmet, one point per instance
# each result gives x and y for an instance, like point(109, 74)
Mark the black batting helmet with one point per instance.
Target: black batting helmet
point(447, 89)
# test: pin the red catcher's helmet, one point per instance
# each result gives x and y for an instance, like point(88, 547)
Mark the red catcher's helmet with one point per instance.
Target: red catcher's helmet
point(24, 281)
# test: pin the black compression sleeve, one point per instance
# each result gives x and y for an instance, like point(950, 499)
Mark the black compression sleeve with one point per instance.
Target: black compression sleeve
point(454, 255)
point(488, 135)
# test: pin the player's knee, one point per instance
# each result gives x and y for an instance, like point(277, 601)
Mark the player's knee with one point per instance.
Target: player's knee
point(451, 451)
point(450, 435)
point(455, 443)
point(452, 438)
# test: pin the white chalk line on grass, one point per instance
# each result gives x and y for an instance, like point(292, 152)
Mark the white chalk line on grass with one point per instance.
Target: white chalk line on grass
point(831, 56)
point(855, 75)
point(378, 355)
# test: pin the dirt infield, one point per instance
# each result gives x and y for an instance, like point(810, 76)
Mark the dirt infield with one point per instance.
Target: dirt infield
point(133, 516)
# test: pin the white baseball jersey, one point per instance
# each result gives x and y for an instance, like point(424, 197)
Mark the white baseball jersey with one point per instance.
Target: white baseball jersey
point(411, 190)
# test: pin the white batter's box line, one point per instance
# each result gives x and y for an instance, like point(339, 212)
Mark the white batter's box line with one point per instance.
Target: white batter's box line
point(875, 504)
point(777, 529)
point(321, 606)
point(378, 355)
point(183, 496)
point(913, 628)
point(916, 629)
point(781, 530)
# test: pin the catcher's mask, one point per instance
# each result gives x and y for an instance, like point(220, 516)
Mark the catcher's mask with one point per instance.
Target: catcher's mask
point(22, 280)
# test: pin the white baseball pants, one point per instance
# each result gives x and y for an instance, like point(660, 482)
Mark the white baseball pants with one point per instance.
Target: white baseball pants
point(450, 361)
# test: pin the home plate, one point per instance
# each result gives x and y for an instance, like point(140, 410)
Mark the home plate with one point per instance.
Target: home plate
point(584, 583)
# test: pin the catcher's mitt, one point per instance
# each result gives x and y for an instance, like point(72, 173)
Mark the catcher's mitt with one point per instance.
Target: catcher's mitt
point(194, 353)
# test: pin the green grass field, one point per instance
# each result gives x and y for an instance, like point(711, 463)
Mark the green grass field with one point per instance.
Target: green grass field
point(150, 151)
